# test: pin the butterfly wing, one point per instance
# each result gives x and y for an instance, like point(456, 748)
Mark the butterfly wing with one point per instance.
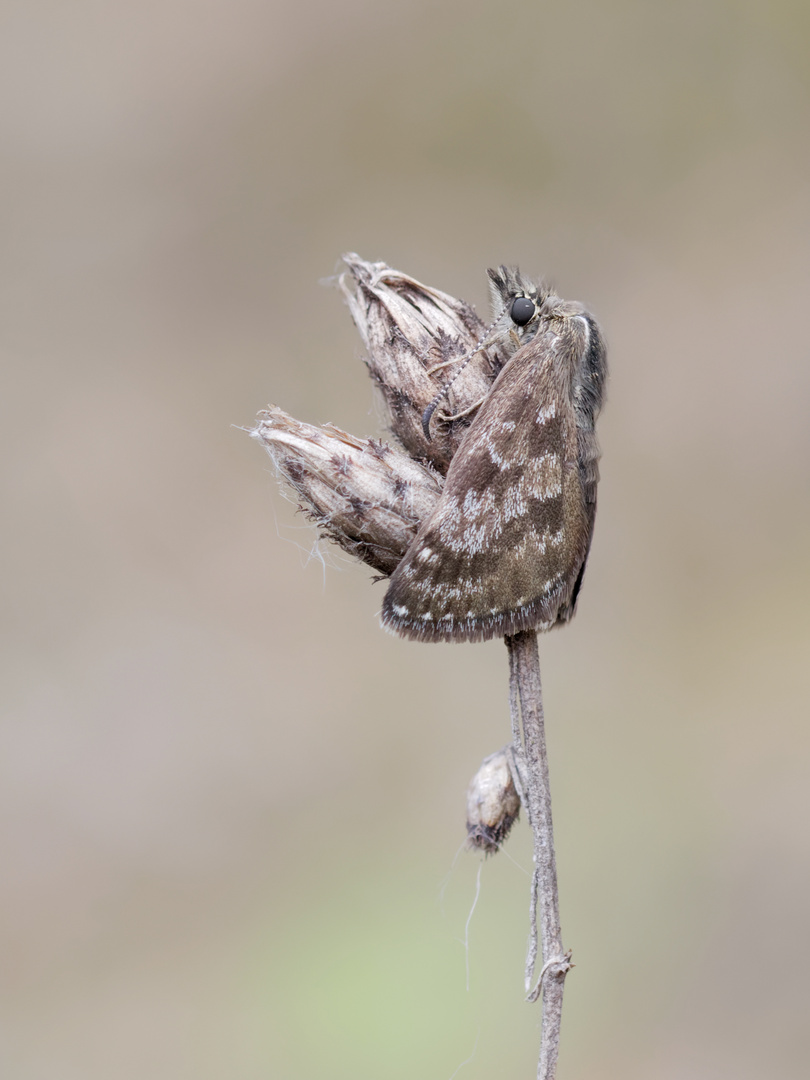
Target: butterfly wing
point(505, 545)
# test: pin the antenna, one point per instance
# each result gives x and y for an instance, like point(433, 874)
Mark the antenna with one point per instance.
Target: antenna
point(486, 339)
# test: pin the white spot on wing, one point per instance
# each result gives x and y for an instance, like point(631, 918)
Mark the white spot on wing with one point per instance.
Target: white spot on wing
point(497, 437)
point(542, 478)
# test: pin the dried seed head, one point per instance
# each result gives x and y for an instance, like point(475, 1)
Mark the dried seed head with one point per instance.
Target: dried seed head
point(416, 337)
point(366, 496)
point(493, 803)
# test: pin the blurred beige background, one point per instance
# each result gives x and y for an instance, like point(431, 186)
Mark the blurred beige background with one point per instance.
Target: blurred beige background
point(232, 805)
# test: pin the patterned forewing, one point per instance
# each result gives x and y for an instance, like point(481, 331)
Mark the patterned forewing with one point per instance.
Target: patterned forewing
point(497, 555)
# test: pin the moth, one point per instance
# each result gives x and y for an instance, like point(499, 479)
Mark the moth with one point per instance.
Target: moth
point(505, 547)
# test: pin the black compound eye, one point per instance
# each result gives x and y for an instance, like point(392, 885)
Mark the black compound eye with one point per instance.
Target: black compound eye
point(522, 310)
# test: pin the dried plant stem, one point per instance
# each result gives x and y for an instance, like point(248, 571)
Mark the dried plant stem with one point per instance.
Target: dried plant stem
point(525, 695)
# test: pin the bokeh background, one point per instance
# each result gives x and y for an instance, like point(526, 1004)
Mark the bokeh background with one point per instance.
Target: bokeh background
point(231, 805)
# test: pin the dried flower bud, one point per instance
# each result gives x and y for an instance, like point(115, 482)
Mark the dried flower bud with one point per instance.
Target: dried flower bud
point(414, 334)
point(366, 496)
point(493, 803)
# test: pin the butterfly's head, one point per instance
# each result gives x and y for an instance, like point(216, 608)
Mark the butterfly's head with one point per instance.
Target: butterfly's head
point(516, 309)
point(516, 300)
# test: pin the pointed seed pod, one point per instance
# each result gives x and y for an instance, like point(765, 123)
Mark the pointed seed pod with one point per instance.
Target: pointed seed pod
point(365, 496)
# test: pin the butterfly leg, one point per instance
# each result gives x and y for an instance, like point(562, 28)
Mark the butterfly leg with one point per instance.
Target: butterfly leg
point(464, 412)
